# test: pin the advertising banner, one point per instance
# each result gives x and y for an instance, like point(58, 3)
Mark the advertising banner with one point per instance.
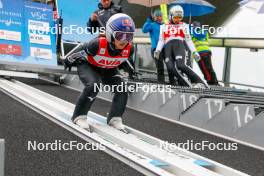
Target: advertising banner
point(27, 33)
point(10, 35)
point(10, 49)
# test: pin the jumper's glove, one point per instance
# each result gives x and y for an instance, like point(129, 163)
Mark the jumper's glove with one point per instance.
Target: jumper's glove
point(196, 56)
point(71, 59)
point(125, 74)
point(157, 55)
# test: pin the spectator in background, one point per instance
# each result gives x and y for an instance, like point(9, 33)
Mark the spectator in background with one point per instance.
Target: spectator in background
point(106, 9)
point(54, 8)
point(172, 37)
point(201, 41)
point(152, 26)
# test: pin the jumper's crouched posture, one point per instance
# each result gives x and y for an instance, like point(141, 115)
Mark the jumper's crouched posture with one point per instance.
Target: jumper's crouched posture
point(98, 62)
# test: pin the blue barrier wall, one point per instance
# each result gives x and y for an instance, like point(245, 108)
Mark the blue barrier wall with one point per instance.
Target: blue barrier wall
point(26, 34)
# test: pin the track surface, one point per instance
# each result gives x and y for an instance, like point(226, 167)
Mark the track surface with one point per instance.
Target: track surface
point(246, 159)
point(19, 124)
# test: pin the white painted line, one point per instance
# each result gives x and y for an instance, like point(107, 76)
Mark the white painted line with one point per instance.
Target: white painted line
point(18, 74)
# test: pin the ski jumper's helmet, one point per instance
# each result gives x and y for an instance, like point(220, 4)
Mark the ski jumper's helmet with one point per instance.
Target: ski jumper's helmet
point(120, 27)
point(176, 11)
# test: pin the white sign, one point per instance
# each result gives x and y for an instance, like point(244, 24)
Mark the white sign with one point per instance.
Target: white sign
point(41, 53)
point(10, 35)
point(38, 26)
point(40, 39)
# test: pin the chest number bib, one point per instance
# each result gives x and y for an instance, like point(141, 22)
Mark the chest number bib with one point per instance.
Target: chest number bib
point(104, 60)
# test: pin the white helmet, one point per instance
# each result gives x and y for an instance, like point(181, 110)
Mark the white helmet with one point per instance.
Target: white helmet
point(176, 11)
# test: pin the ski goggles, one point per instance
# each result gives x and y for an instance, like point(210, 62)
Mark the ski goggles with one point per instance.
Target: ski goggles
point(123, 36)
point(177, 17)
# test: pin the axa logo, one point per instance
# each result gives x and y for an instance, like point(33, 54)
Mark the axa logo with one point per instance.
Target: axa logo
point(1, 4)
point(109, 63)
point(39, 16)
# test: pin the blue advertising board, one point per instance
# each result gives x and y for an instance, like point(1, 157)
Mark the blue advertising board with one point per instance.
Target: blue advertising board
point(75, 15)
point(27, 33)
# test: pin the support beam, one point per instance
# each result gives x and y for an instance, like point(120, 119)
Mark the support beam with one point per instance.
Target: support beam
point(2, 156)
point(227, 66)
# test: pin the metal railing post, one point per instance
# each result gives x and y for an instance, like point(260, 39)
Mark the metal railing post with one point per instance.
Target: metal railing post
point(227, 66)
point(136, 61)
point(2, 156)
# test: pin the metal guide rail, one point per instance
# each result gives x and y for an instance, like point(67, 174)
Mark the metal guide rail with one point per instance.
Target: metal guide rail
point(150, 76)
point(220, 42)
point(229, 94)
point(141, 151)
point(212, 90)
